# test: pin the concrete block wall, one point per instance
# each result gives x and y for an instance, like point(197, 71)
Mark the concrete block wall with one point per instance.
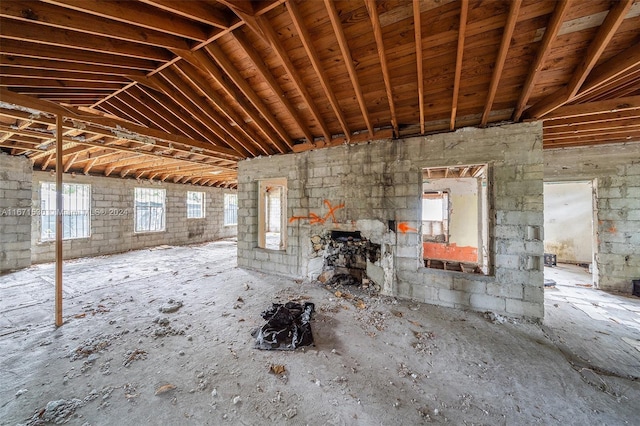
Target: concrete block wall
point(382, 181)
point(615, 171)
point(112, 219)
point(15, 212)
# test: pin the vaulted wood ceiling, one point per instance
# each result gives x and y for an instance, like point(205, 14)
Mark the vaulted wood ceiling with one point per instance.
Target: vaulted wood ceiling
point(181, 90)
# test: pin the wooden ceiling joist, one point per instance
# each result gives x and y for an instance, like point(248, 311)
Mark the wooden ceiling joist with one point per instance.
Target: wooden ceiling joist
point(566, 94)
point(462, 27)
point(372, 9)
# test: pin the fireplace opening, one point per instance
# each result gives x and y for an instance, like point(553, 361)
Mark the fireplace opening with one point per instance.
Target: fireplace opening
point(346, 257)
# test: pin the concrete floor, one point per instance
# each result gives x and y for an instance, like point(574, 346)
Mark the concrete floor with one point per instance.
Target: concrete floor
point(377, 360)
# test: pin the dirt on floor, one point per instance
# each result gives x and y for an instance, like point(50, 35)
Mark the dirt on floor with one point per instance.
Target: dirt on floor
point(163, 337)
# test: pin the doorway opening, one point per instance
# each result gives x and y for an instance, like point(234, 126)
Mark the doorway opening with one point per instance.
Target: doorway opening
point(569, 236)
point(272, 225)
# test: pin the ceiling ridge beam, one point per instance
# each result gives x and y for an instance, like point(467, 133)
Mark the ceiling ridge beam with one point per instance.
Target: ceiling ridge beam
point(510, 26)
point(263, 70)
point(462, 27)
point(281, 53)
point(312, 54)
point(377, 32)
point(602, 38)
point(550, 35)
point(348, 61)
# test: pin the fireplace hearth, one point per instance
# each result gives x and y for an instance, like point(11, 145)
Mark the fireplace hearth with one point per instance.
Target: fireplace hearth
point(346, 256)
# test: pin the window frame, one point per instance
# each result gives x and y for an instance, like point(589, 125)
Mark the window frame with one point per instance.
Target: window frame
point(201, 211)
point(228, 211)
point(68, 215)
point(162, 210)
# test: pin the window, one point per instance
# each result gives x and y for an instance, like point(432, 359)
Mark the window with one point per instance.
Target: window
point(76, 211)
point(230, 209)
point(455, 218)
point(195, 205)
point(272, 212)
point(435, 216)
point(149, 210)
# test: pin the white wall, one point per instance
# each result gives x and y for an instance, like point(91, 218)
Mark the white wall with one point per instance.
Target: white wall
point(568, 227)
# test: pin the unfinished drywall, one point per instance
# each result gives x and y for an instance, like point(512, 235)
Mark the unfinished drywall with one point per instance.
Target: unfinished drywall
point(376, 189)
point(15, 212)
point(112, 218)
point(615, 170)
point(568, 216)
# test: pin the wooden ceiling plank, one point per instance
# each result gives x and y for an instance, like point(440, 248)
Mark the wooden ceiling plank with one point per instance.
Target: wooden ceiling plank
point(117, 127)
point(202, 60)
point(195, 11)
point(264, 72)
point(67, 19)
point(550, 35)
point(417, 25)
point(597, 46)
point(234, 75)
point(312, 54)
point(16, 30)
point(604, 118)
point(348, 61)
point(377, 32)
point(462, 27)
point(290, 69)
point(594, 108)
point(139, 15)
point(245, 135)
point(510, 26)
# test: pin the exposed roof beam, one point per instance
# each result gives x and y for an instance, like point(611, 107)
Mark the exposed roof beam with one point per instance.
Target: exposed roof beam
point(247, 136)
point(219, 56)
point(204, 62)
point(348, 61)
point(550, 34)
point(417, 25)
point(16, 30)
point(462, 26)
point(117, 127)
point(281, 53)
point(502, 57)
point(271, 81)
point(66, 19)
point(142, 16)
point(566, 94)
point(377, 32)
point(312, 54)
point(60, 83)
point(196, 11)
point(593, 108)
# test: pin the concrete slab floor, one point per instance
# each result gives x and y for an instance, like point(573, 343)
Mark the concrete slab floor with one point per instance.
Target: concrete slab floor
point(377, 360)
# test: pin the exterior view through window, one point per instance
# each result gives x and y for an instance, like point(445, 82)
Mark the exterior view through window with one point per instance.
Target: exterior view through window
point(195, 205)
point(149, 210)
point(76, 206)
point(230, 209)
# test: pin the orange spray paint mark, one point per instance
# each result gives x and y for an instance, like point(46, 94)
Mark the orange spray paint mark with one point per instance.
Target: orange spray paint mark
point(404, 228)
point(315, 219)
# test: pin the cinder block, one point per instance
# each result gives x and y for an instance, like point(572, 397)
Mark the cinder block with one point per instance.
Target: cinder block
point(485, 302)
point(525, 309)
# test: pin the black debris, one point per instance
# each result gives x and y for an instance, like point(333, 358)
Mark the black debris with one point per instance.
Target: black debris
point(287, 327)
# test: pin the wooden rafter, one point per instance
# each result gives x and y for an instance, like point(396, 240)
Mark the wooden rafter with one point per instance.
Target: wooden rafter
point(462, 26)
point(348, 61)
point(279, 50)
point(264, 72)
point(417, 25)
point(594, 108)
point(550, 34)
point(203, 61)
point(502, 57)
point(604, 35)
point(312, 54)
point(372, 9)
point(194, 11)
point(216, 53)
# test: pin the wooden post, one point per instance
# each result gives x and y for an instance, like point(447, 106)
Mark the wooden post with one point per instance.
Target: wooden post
point(59, 217)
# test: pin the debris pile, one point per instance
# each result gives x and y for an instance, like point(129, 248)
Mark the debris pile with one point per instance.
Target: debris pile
point(287, 327)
